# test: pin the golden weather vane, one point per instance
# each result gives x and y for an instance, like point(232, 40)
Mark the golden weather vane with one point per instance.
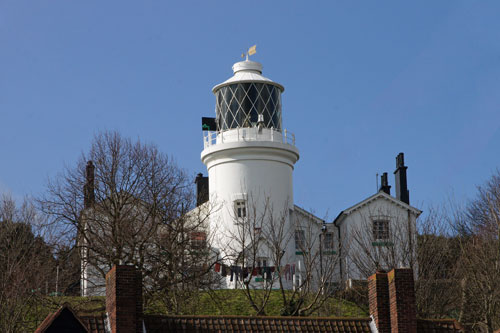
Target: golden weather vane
point(251, 51)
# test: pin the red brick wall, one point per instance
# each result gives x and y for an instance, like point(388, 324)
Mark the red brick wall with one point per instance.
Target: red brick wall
point(378, 299)
point(402, 301)
point(124, 299)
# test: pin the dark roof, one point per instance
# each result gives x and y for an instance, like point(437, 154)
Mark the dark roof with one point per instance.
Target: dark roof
point(63, 320)
point(95, 324)
point(188, 324)
point(439, 326)
point(160, 324)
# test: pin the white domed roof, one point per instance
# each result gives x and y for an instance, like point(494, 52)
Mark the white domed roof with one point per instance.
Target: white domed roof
point(247, 71)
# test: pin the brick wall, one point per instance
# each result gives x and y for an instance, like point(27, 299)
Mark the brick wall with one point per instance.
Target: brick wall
point(402, 301)
point(378, 299)
point(124, 299)
point(392, 301)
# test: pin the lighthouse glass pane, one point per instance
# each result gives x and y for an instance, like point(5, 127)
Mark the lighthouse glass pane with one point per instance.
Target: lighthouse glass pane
point(240, 104)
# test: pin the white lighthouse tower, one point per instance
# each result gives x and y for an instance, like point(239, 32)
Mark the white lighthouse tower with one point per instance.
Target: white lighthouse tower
point(250, 160)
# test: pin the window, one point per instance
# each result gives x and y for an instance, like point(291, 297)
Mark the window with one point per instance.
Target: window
point(328, 241)
point(380, 229)
point(262, 262)
point(198, 239)
point(300, 239)
point(240, 104)
point(240, 209)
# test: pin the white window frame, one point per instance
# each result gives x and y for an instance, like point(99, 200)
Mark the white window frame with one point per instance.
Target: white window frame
point(381, 229)
point(240, 209)
point(300, 241)
point(326, 243)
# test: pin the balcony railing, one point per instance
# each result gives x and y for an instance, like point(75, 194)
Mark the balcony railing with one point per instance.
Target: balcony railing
point(248, 135)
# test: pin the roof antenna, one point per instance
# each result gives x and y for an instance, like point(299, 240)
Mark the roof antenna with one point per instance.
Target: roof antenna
point(376, 181)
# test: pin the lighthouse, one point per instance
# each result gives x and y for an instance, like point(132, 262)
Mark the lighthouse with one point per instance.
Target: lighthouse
point(250, 159)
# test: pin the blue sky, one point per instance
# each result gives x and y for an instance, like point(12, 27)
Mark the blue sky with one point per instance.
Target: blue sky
point(363, 82)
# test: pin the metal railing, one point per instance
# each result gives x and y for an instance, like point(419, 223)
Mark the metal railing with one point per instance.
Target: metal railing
point(248, 134)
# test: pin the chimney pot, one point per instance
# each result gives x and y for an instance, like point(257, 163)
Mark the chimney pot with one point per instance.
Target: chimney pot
point(384, 184)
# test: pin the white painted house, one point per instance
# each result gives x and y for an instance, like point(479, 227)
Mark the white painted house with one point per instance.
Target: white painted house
point(378, 233)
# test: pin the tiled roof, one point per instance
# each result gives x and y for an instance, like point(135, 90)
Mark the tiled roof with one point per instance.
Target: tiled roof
point(438, 326)
point(47, 321)
point(63, 320)
point(188, 324)
point(161, 324)
point(95, 324)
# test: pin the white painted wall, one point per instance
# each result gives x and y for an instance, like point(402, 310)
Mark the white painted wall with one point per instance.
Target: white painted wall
point(258, 171)
point(357, 235)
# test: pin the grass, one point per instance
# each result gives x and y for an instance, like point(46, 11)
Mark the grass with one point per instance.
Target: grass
point(219, 302)
point(234, 302)
point(37, 309)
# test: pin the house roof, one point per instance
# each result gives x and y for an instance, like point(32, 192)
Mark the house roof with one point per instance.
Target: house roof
point(95, 324)
point(255, 324)
point(63, 320)
point(376, 196)
point(307, 214)
point(439, 326)
point(163, 324)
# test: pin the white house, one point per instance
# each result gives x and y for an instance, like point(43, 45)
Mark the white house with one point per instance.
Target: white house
point(379, 233)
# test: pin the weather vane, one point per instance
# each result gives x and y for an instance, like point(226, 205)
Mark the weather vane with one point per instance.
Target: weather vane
point(251, 51)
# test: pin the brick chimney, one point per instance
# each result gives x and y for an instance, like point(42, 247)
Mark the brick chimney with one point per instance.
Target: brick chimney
point(88, 188)
point(384, 184)
point(378, 299)
point(391, 298)
point(402, 192)
point(402, 301)
point(201, 189)
point(124, 299)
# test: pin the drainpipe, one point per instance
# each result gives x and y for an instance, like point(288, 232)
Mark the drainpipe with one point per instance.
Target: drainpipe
point(341, 267)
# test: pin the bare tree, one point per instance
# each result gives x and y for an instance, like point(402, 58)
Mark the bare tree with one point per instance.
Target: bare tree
point(438, 253)
point(479, 231)
point(264, 251)
point(126, 202)
point(27, 265)
point(318, 274)
point(381, 240)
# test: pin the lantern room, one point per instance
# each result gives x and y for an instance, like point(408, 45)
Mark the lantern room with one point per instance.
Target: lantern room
point(248, 99)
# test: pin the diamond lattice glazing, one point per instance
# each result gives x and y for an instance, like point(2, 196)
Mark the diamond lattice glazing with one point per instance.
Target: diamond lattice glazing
point(239, 105)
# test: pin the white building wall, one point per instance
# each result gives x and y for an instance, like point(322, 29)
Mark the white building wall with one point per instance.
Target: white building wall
point(258, 172)
point(362, 252)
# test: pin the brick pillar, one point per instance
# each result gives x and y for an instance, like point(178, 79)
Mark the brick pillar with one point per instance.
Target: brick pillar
point(402, 301)
point(124, 299)
point(378, 299)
